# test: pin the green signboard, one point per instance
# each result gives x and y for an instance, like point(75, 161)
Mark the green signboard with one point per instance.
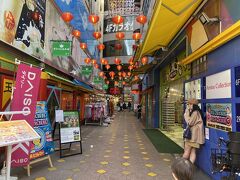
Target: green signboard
point(61, 48)
point(87, 70)
point(97, 80)
point(105, 86)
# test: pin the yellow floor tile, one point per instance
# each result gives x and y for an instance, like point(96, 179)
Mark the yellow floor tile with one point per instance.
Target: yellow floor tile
point(125, 147)
point(126, 157)
point(101, 171)
point(52, 169)
point(126, 172)
point(40, 178)
point(148, 165)
point(126, 152)
point(167, 160)
point(61, 160)
point(126, 164)
point(75, 170)
point(146, 158)
point(152, 174)
point(144, 152)
point(104, 162)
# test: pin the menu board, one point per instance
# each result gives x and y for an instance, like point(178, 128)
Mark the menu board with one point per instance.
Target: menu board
point(14, 132)
point(193, 89)
point(70, 128)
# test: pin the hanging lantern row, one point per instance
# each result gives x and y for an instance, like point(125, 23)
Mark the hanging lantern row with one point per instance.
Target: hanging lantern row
point(96, 66)
point(76, 33)
point(94, 61)
point(130, 61)
point(123, 83)
point(120, 35)
point(129, 73)
point(93, 19)
point(101, 47)
point(67, 16)
point(101, 74)
point(102, 61)
point(97, 35)
point(130, 67)
point(119, 73)
point(124, 74)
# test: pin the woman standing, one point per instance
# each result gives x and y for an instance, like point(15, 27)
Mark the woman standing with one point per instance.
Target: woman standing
point(193, 117)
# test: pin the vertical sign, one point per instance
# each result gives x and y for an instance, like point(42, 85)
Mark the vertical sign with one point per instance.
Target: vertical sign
point(237, 81)
point(25, 99)
point(238, 117)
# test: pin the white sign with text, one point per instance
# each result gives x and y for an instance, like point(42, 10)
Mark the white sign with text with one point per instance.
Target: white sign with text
point(219, 85)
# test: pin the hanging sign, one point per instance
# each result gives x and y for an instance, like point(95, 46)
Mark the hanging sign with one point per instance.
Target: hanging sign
point(105, 86)
point(87, 70)
point(61, 48)
point(219, 116)
point(97, 80)
point(25, 99)
point(219, 85)
point(42, 126)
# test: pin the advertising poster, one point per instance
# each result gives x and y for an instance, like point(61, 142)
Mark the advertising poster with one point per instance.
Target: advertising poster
point(25, 99)
point(219, 116)
point(219, 85)
point(70, 128)
point(22, 24)
point(42, 126)
point(193, 89)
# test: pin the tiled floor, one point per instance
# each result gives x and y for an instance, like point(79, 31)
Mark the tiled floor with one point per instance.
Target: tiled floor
point(118, 152)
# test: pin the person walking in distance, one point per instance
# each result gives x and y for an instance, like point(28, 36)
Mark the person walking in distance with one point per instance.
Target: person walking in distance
point(194, 119)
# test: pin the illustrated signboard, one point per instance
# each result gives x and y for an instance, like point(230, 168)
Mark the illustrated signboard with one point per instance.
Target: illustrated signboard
point(193, 89)
point(219, 116)
point(22, 24)
point(25, 99)
point(13, 132)
point(70, 128)
point(61, 48)
point(219, 85)
point(237, 81)
point(42, 126)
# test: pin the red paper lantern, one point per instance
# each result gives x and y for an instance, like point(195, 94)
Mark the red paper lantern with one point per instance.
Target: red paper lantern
point(136, 36)
point(141, 19)
point(87, 60)
point(76, 33)
point(94, 61)
point(112, 74)
point(117, 19)
point(120, 35)
point(129, 73)
point(96, 66)
point(117, 61)
point(97, 35)
point(134, 46)
point(101, 47)
point(118, 46)
point(120, 78)
point(144, 60)
point(67, 17)
point(104, 77)
point(123, 83)
point(102, 61)
point(130, 61)
point(93, 19)
point(124, 74)
point(119, 73)
point(36, 16)
point(130, 67)
point(119, 67)
point(105, 61)
point(107, 82)
point(115, 83)
point(101, 74)
point(83, 45)
point(136, 78)
point(107, 66)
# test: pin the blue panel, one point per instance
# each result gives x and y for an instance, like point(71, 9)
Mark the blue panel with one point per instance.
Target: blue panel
point(80, 22)
point(82, 84)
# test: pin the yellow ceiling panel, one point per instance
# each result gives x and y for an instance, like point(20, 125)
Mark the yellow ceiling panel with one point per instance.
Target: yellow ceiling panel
point(168, 18)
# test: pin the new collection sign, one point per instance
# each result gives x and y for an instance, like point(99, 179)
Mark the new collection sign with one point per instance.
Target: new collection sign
point(219, 85)
point(25, 99)
point(61, 48)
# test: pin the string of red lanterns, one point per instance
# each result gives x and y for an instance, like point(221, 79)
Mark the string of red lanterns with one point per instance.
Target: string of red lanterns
point(93, 19)
point(101, 47)
point(117, 19)
point(102, 61)
point(137, 36)
point(107, 66)
point(117, 61)
point(67, 16)
point(87, 60)
point(97, 35)
point(94, 61)
point(120, 35)
point(119, 67)
point(83, 45)
point(76, 33)
point(141, 19)
point(144, 60)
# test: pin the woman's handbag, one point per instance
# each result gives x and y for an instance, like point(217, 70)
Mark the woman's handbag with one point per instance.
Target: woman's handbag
point(187, 133)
